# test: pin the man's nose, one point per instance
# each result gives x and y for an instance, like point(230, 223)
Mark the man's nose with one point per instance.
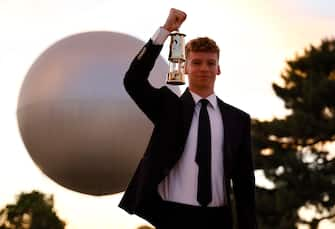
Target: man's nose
point(204, 67)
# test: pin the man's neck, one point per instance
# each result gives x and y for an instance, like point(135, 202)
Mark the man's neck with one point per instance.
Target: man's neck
point(202, 93)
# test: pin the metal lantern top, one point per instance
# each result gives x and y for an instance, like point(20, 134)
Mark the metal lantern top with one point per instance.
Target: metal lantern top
point(177, 47)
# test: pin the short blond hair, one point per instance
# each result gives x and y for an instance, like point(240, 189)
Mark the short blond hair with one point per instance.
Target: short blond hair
point(202, 44)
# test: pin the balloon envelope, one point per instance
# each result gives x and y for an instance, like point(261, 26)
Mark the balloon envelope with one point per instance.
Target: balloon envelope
point(75, 118)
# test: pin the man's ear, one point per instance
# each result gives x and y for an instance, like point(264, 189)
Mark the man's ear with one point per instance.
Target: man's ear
point(218, 72)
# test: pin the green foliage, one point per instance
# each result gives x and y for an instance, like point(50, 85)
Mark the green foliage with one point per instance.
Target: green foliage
point(292, 151)
point(32, 211)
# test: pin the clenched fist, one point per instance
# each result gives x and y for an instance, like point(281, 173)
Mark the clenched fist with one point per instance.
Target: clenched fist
point(174, 20)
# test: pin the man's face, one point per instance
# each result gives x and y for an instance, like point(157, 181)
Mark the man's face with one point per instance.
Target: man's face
point(202, 68)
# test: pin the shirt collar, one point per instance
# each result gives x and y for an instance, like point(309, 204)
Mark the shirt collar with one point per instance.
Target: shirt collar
point(212, 99)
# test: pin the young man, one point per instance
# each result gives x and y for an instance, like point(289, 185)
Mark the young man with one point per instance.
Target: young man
point(198, 146)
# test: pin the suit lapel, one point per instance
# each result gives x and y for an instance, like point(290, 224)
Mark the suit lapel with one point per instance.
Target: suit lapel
point(228, 128)
point(187, 110)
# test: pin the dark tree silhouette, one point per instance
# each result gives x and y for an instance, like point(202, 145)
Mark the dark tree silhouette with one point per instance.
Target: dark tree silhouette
point(32, 210)
point(294, 151)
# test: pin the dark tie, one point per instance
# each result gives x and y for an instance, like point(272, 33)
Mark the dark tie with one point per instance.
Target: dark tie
point(203, 156)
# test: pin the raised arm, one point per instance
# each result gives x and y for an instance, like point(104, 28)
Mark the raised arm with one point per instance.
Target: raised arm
point(136, 79)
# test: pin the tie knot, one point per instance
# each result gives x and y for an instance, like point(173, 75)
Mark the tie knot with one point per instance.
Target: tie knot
point(204, 102)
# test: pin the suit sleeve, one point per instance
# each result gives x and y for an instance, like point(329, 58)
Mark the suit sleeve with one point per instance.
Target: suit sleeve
point(137, 84)
point(244, 182)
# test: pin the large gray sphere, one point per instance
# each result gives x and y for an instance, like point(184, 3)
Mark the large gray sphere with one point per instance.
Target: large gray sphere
point(77, 121)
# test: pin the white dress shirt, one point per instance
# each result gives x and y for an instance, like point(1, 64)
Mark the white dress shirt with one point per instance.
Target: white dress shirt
point(181, 183)
point(160, 36)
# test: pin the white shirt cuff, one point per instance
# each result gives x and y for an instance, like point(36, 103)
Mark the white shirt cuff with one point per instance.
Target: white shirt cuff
point(160, 36)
